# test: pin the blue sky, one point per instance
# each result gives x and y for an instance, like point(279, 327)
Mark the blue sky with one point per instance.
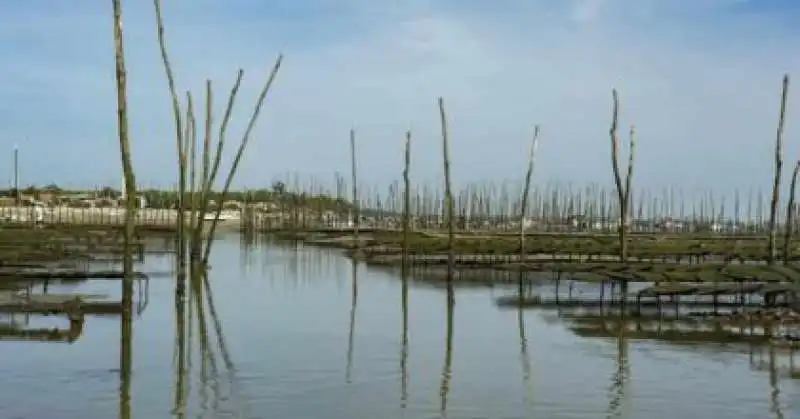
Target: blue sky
point(699, 78)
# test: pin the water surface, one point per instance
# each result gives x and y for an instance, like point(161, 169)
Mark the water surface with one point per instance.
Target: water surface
point(303, 344)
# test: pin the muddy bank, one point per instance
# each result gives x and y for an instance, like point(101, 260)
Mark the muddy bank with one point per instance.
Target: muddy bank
point(652, 257)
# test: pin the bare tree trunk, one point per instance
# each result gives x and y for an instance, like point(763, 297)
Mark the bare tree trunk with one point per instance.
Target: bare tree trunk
point(126, 325)
point(623, 191)
point(198, 213)
point(406, 198)
point(124, 142)
point(210, 173)
point(526, 192)
point(787, 242)
point(448, 196)
point(182, 160)
point(212, 176)
point(354, 180)
point(626, 205)
point(776, 183)
point(239, 153)
point(207, 137)
point(191, 142)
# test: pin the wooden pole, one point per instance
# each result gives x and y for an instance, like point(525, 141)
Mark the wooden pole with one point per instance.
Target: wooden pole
point(526, 192)
point(787, 242)
point(776, 182)
point(182, 159)
point(354, 180)
point(126, 325)
point(623, 191)
point(406, 198)
point(239, 152)
point(448, 194)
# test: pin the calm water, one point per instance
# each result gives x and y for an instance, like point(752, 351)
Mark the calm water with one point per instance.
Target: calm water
point(300, 350)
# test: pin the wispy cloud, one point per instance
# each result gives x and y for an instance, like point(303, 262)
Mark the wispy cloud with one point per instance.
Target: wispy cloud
point(587, 10)
point(699, 78)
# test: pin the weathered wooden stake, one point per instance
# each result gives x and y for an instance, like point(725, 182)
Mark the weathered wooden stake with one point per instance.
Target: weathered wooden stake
point(787, 241)
point(525, 193)
point(208, 181)
point(448, 195)
point(354, 180)
point(776, 183)
point(126, 325)
point(124, 141)
point(239, 153)
point(192, 141)
point(189, 138)
point(406, 198)
point(623, 191)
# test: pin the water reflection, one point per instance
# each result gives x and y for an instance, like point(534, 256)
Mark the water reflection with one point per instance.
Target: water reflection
point(619, 379)
point(126, 349)
point(585, 357)
point(194, 315)
point(290, 262)
point(678, 330)
point(524, 358)
point(404, 338)
point(181, 353)
point(447, 372)
point(352, 328)
point(247, 243)
point(775, 371)
point(775, 406)
point(12, 331)
point(683, 331)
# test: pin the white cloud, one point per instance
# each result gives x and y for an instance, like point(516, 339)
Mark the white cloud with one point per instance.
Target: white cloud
point(587, 10)
point(703, 93)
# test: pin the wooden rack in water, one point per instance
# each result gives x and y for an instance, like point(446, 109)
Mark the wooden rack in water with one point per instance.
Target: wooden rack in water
point(687, 330)
point(713, 295)
point(61, 273)
point(69, 304)
point(19, 301)
point(70, 335)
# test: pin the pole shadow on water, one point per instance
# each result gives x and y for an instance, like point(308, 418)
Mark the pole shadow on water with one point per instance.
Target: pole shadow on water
point(351, 330)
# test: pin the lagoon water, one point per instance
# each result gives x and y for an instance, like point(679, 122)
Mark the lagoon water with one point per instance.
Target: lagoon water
point(298, 347)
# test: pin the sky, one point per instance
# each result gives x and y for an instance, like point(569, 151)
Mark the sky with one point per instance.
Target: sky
point(700, 79)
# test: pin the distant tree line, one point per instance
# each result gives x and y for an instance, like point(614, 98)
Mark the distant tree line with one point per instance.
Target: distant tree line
point(158, 198)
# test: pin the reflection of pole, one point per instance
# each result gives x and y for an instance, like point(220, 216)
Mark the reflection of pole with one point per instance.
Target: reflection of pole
point(16, 174)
